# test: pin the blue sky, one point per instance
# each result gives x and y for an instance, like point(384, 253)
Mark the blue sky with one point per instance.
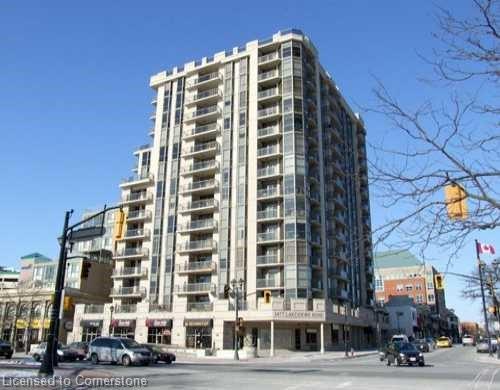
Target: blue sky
point(75, 101)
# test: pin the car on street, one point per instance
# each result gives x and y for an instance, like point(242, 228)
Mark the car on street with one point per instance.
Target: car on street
point(118, 350)
point(399, 338)
point(6, 349)
point(468, 341)
point(80, 348)
point(431, 342)
point(443, 342)
point(422, 345)
point(404, 353)
point(483, 346)
point(64, 354)
point(160, 353)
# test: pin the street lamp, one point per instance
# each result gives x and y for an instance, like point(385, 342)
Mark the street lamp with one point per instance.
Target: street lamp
point(399, 314)
point(69, 234)
point(111, 309)
point(237, 287)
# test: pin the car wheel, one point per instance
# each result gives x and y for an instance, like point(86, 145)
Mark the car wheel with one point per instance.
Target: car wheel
point(398, 363)
point(168, 361)
point(94, 358)
point(80, 357)
point(36, 357)
point(421, 364)
point(126, 360)
point(9, 356)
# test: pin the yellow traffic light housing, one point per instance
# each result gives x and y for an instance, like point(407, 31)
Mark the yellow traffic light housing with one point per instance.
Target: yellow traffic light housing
point(456, 201)
point(119, 224)
point(439, 282)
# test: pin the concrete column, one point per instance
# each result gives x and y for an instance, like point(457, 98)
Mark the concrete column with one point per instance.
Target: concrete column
point(322, 338)
point(271, 351)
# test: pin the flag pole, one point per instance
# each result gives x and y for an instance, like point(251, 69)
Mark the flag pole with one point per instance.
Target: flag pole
point(483, 298)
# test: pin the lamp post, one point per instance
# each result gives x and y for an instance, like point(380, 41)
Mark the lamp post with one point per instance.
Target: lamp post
point(69, 233)
point(111, 310)
point(237, 286)
point(345, 333)
point(399, 314)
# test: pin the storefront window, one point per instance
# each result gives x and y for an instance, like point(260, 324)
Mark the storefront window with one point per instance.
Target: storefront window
point(90, 333)
point(159, 335)
point(198, 337)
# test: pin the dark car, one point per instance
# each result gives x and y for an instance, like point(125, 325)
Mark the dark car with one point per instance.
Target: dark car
point(80, 348)
point(404, 353)
point(64, 353)
point(422, 345)
point(6, 349)
point(160, 353)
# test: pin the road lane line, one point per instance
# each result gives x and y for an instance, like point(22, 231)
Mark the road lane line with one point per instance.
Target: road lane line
point(493, 375)
point(478, 377)
point(343, 385)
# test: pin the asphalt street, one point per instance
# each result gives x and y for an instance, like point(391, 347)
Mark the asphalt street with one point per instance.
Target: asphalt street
point(448, 369)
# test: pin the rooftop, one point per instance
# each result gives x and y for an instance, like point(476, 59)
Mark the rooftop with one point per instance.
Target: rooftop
point(36, 256)
point(400, 300)
point(395, 259)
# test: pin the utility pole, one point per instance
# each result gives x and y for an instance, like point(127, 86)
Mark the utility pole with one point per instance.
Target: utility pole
point(480, 266)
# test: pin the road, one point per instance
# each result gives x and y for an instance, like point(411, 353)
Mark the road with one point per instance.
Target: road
point(451, 369)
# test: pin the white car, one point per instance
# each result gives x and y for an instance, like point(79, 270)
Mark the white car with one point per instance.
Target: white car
point(468, 341)
point(399, 338)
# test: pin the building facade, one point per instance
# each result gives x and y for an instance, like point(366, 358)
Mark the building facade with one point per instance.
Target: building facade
point(257, 173)
point(402, 316)
point(8, 279)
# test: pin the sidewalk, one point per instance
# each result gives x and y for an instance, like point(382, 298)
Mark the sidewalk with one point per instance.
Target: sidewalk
point(484, 358)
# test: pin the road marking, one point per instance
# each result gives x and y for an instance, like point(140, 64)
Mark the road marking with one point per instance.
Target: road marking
point(493, 375)
point(343, 385)
point(478, 377)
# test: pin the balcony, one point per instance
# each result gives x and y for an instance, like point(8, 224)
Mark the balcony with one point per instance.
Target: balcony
point(269, 132)
point(202, 186)
point(205, 96)
point(269, 77)
point(137, 198)
point(269, 283)
point(269, 172)
point(205, 79)
point(137, 180)
point(269, 192)
point(205, 149)
point(138, 215)
point(270, 58)
point(129, 272)
point(202, 205)
point(129, 253)
point(202, 113)
point(132, 292)
point(160, 307)
point(202, 132)
point(315, 197)
point(197, 246)
point(93, 309)
point(269, 260)
point(269, 112)
point(267, 152)
point(194, 288)
point(269, 237)
point(268, 214)
point(194, 267)
point(209, 166)
point(199, 306)
point(342, 294)
point(198, 226)
point(119, 309)
point(316, 240)
point(136, 234)
point(316, 219)
point(316, 262)
point(268, 94)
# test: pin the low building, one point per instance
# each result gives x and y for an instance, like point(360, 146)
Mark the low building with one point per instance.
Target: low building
point(402, 316)
point(8, 278)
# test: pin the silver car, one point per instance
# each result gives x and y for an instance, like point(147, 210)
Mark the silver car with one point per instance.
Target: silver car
point(118, 350)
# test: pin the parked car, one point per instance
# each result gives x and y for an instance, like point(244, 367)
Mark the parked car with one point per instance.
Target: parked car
point(468, 341)
point(160, 353)
point(6, 349)
point(118, 350)
point(431, 342)
point(404, 353)
point(483, 346)
point(80, 348)
point(399, 338)
point(64, 354)
point(422, 345)
point(443, 342)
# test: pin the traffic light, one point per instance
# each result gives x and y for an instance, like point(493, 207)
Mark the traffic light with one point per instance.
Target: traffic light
point(267, 296)
point(119, 223)
point(68, 303)
point(492, 310)
point(456, 201)
point(226, 291)
point(439, 281)
point(240, 323)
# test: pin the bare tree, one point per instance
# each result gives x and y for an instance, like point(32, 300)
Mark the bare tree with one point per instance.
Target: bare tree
point(452, 141)
point(472, 288)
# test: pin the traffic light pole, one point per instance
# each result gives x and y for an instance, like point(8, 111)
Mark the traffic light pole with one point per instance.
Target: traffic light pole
point(486, 328)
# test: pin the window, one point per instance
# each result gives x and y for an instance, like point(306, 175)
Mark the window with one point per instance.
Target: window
point(311, 336)
point(418, 287)
point(399, 287)
point(430, 297)
point(409, 287)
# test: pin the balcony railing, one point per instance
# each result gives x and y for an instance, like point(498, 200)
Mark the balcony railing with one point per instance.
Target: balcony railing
point(204, 78)
point(268, 111)
point(160, 307)
point(125, 309)
point(195, 288)
point(268, 236)
point(129, 291)
point(200, 185)
point(201, 129)
point(201, 147)
point(269, 57)
point(130, 271)
point(268, 150)
point(267, 283)
point(269, 130)
point(199, 306)
point(201, 165)
point(203, 111)
point(269, 75)
point(138, 177)
point(269, 213)
point(138, 214)
point(199, 225)
point(197, 245)
point(270, 92)
point(269, 259)
point(200, 204)
point(93, 309)
point(205, 94)
point(138, 197)
point(268, 192)
point(137, 233)
point(208, 265)
point(269, 171)
point(132, 252)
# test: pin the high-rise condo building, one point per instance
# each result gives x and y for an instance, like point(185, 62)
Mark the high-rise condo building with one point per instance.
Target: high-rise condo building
point(256, 173)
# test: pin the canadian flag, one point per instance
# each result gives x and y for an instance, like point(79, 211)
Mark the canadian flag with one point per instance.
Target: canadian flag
point(485, 248)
